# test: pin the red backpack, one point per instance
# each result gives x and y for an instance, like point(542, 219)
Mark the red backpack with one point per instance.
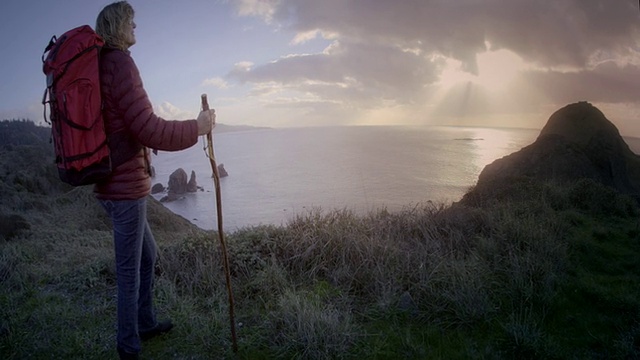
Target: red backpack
point(75, 104)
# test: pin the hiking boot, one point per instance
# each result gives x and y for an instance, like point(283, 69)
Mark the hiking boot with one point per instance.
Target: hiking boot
point(161, 328)
point(127, 356)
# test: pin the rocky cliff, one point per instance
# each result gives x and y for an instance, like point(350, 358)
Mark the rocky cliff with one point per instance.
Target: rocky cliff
point(577, 142)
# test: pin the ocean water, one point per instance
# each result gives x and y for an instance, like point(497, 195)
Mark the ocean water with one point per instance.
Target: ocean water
point(275, 174)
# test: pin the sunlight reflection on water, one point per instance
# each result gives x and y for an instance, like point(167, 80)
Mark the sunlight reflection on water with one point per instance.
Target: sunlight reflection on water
point(492, 144)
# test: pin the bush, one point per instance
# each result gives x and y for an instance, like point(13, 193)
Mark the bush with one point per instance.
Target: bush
point(591, 196)
point(12, 225)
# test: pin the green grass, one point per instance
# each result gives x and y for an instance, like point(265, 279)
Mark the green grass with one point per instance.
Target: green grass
point(545, 272)
point(597, 309)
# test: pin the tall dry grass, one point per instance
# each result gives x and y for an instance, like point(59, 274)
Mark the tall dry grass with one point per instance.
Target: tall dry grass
point(325, 274)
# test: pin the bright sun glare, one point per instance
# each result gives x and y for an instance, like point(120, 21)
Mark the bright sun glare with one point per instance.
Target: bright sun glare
point(496, 69)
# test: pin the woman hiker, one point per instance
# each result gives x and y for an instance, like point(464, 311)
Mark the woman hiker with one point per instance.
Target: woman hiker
point(132, 129)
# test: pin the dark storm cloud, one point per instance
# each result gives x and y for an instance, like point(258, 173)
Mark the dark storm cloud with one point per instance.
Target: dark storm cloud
point(551, 33)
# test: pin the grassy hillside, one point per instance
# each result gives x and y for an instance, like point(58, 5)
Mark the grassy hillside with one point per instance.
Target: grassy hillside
point(539, 271)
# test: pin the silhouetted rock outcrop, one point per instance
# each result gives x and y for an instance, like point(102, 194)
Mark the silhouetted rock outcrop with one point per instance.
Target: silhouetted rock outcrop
point(157, 188)
point(192, 185)
point(178, 182)
point(178, 185)
point(577, 142)
point(221, 171)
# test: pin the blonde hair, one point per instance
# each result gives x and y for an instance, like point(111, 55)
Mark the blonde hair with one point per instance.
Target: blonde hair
point(111, 24)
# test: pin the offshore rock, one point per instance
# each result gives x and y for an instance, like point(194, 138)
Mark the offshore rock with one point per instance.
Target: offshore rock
point(577, 142)
point(178, 182)
point(178, 185)
point(157, 188)
point(221, 171)
point(192, 185)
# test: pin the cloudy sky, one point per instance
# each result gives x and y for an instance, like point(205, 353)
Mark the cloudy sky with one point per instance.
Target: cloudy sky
point(307, 62)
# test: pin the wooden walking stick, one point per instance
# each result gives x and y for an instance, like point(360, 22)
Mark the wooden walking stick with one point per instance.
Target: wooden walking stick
point(223, 246)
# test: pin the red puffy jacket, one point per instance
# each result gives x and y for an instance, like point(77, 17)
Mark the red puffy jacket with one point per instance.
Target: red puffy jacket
point(133, 128)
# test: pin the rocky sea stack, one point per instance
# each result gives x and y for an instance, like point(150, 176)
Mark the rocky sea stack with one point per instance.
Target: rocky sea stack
point(577, 142)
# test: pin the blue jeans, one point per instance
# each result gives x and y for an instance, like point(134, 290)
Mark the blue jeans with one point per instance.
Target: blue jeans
point(136, 252)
